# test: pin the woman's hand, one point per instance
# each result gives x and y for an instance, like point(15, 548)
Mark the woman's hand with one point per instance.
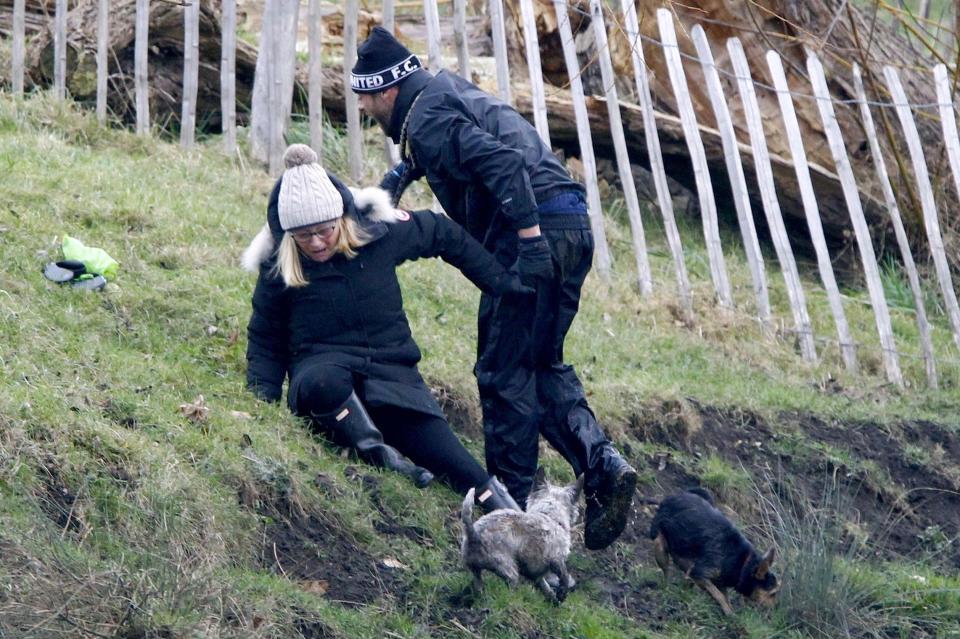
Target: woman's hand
point(510, 284)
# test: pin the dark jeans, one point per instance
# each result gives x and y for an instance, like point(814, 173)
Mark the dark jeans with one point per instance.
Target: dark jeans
point(426, 439)
point(525, 387)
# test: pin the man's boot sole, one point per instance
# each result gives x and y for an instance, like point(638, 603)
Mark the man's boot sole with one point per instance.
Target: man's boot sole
point(614, 517)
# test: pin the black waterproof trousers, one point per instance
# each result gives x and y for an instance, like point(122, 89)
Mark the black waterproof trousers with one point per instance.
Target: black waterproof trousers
point(526, 389)
point(320, 387)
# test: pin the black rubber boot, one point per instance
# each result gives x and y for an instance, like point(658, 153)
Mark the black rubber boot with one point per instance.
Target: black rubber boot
point(491, 495)
point(352, 424)
point(608, 503)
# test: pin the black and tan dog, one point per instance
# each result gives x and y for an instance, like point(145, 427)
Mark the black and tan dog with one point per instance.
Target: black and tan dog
point(708, 548)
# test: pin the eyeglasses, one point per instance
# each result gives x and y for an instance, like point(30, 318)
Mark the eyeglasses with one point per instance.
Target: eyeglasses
point(324, 233)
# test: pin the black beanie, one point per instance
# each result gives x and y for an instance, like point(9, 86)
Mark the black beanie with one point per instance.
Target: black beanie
point(381, 62)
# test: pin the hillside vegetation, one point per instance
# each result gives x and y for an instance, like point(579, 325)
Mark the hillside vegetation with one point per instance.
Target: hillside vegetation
point(144, 493)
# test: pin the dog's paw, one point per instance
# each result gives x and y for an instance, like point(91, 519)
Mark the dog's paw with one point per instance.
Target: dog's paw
point(465, 598)
point(561, 594)
point(554, 582)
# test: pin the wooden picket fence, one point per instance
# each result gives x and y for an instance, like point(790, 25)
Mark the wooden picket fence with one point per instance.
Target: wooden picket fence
point(273, 71)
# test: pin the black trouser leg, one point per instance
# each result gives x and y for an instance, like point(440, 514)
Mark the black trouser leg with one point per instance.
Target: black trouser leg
point(429, 442)
point(522, 340)
point(508, 392)
point(569, 424)
point(314, 392)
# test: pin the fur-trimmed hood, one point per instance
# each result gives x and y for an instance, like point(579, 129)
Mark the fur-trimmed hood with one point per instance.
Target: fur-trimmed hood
point(371, 204)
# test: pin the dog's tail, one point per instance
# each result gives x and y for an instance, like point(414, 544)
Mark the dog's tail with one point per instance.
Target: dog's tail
point(466, 516)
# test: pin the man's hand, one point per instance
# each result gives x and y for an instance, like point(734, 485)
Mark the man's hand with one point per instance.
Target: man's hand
point(397, 179)
point(392, 179)
point(534, 262)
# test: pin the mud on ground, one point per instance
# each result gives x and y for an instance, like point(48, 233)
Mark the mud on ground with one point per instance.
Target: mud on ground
point(901, 479)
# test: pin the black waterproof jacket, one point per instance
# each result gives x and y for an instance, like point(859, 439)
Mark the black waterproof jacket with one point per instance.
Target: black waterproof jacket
point(486, 164)
point(351, 312)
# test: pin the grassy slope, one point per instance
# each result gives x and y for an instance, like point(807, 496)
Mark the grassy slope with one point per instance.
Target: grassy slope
point(121, 515)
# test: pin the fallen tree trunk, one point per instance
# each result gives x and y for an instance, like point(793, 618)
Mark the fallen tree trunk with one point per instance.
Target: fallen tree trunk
point(165, 66)
point(838, 32)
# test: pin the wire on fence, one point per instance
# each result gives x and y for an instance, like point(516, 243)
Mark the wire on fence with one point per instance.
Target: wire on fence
point(733, 76)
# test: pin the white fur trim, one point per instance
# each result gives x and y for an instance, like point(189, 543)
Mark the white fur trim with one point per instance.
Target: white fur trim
point(379, 202)
point(259, 250)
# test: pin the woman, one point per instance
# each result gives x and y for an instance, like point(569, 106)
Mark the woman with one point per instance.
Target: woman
point(328, 312)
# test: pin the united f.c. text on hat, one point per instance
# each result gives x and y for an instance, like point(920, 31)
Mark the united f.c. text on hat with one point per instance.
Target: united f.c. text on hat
point(381, 63)
point(307, 196)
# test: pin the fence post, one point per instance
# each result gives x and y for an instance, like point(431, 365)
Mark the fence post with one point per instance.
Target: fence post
point(350, 18)
point(771, 207)
point(460, 37)
point(228, 76)
point(391, 152)
point(948, 122)
point(656, 158)
point(287, 65)
point(927, 201)
point(431, 16)
point(532, 46)
point(500, 50)
point(902, 241)
point(852, 195)
point(315, 78)
point(848, 349)
point(738, 181)
point(16, 56)
point(275, 122)
point(191, 70)
point(60, 50)
point(586, 142)
point(701, 172)
point(140, 52)
point(103, 33)
point(273, 82)
point(644, 278)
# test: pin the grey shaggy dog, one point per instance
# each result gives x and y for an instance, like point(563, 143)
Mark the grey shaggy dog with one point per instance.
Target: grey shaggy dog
point(534, 544)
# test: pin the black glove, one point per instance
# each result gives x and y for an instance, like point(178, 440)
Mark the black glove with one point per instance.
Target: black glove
point(397, 179)
point(391, 179)
point(534, 262)
point(510, 284)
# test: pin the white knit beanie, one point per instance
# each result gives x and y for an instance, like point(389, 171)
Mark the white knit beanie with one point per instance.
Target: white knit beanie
point(307, 196)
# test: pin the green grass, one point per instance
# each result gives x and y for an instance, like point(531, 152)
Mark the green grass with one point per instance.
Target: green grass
point(151, 540)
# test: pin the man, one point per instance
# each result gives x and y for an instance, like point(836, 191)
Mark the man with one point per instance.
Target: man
point(491, 172)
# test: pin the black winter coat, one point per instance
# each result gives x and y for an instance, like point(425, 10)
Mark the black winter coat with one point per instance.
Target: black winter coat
point(486, 164)
point(351, 312)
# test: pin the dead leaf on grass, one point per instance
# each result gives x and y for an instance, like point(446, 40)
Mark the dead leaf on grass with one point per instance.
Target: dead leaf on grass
point(197, 411)
point(390, 562)
point(317, 587)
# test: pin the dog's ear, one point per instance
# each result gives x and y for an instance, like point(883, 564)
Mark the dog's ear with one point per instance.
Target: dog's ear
point(576, 488)
point(764, 567)
point(539, 480)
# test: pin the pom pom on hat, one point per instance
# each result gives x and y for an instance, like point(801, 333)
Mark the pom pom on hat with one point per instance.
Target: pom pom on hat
point(299, 154)
point(307, 196)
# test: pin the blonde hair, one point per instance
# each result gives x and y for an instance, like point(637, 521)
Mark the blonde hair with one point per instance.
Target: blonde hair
point(289, 256)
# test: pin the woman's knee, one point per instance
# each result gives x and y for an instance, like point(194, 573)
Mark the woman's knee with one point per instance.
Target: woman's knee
point(320, 389)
